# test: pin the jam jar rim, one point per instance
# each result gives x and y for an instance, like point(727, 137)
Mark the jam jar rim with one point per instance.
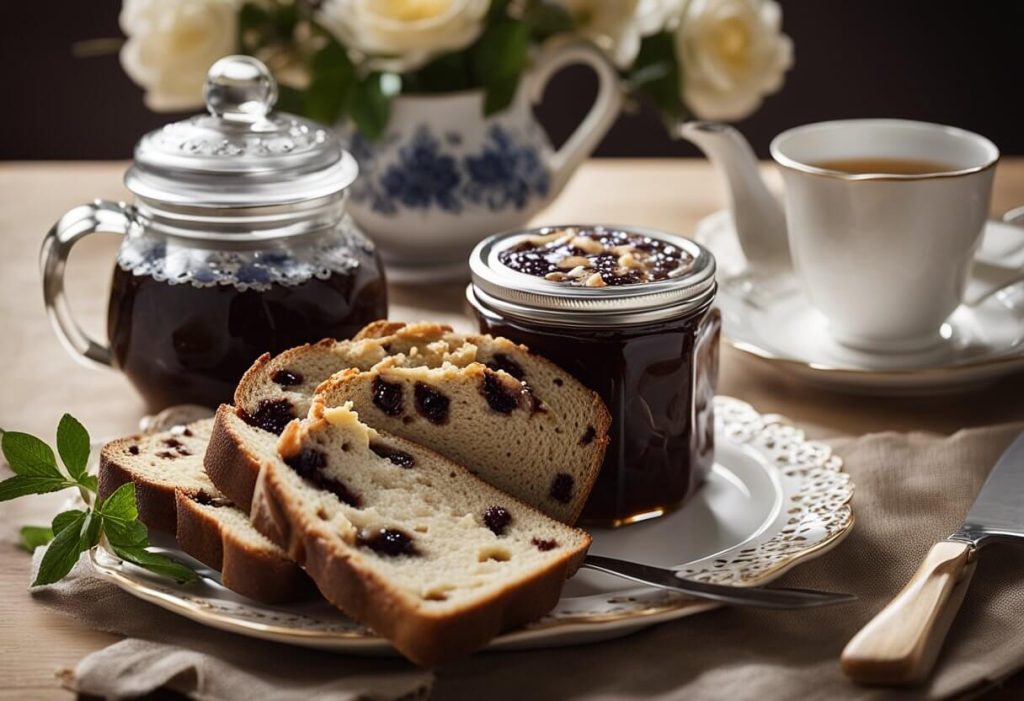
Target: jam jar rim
point(526, 296)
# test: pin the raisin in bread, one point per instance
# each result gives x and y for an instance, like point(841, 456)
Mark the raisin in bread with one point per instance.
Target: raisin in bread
point(276, 389)
point(406, 541)
point(487, 419)
point(174, 495)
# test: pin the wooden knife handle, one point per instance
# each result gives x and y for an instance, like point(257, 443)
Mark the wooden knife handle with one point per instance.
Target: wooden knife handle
point(901, 643)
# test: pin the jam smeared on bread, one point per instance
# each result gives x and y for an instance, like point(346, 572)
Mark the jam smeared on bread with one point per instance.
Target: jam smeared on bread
point(596, 257)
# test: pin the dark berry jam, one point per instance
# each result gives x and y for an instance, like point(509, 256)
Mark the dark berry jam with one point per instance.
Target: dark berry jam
point(500, 361)
point(398, 457)
point(388, 541)
point(387, 396)
point(497, 519)
point(184, 344)
point(287, 378)
point(543, 544)
point(271, 415)
point(596, 257)
point(310, 464)
point(431, 403)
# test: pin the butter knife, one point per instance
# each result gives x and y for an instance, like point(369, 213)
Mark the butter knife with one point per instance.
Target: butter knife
point(738, 596)
point(901, 643)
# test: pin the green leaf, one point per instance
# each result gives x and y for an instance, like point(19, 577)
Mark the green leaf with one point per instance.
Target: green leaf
point(73, 445)
point(448, 72)
point(333, 77)
point(499, 58)
point(63, 552)
point(22, 485)
point(656, 75)
point(89, 482)
point(369, 106)
point(27, 455)
point(34, 536)
point(65, 519)
point(156, 563)
point(126, 534)
point(121, 504)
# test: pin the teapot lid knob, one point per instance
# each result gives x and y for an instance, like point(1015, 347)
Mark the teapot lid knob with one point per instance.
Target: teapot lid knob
point(239, 89)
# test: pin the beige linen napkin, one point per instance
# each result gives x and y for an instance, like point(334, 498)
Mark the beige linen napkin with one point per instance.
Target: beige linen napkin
point(912, 489)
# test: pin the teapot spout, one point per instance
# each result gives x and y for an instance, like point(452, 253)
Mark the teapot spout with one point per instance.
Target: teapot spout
point(759, 219)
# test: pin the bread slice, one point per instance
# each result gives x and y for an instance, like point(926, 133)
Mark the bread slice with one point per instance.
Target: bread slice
point(174, 495)
point(406, 541)
point(559, 401)
point(486, 419)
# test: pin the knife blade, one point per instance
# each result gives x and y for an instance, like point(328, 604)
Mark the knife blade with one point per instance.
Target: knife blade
point(901, 643)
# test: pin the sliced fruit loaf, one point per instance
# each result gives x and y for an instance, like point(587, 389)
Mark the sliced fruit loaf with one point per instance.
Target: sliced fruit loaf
point(174, 495)
point(406, 541)
point(263, 402)
point(487, 419)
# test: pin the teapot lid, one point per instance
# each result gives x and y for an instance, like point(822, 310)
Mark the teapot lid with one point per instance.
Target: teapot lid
point(241, 154)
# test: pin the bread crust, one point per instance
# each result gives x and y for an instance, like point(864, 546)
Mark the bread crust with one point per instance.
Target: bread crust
point(231, 467)
point(155, 502)
point(254, 574)
point(428, 639)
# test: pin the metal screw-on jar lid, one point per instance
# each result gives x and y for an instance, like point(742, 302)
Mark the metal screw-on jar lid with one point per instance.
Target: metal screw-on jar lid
point(241, 154)
point(520, 295)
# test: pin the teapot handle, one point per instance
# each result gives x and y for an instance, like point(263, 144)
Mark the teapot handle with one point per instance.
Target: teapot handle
point(100, 216)
point(598, 120)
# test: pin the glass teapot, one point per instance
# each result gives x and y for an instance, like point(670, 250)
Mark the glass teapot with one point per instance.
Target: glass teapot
point(237, 243)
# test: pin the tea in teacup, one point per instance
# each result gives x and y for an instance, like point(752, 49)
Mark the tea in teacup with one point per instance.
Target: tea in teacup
point(885, 166)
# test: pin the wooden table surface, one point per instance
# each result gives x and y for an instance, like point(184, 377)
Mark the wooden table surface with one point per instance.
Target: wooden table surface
point(39, 382)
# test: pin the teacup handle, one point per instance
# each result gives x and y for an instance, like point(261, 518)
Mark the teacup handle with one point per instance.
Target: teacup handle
point(989, 278)
point(100, 216)
point(598, 120)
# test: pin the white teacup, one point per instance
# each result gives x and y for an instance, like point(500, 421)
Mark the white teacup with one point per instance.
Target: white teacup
point(885, 256)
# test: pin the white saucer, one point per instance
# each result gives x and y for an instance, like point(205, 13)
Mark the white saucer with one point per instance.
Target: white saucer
point(773, 500)
point(770, 318)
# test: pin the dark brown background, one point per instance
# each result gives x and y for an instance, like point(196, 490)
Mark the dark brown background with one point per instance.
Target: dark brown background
point(950, 61)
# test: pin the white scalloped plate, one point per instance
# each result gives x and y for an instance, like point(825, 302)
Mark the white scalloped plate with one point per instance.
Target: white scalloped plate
point(774, 499)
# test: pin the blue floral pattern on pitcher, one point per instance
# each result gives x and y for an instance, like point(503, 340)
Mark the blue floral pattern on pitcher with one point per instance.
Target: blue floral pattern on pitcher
point(505, 174)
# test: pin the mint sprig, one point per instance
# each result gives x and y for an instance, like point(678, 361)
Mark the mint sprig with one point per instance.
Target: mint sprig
point(114, 520)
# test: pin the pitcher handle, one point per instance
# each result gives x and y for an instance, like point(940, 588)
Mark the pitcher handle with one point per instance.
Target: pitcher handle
point(100, 216)
point(598, 120)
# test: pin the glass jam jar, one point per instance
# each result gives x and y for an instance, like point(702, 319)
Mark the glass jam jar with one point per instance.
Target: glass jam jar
point(627, 311)
point(237, 243)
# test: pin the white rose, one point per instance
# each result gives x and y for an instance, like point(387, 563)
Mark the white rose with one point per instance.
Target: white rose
point(171, 45)
point(732, 54)
point(654, 16)
point(403, 35)
point(610, 24)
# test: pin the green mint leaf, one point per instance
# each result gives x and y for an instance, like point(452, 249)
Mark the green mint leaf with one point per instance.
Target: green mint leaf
point(121, 504)
point(65, 519)
point(34, 536)
point(126, 534)
point(157, 563)
point(63, 552)
point(22, 485)
point(73, 445)
point(369, 106)
point(29, 456)
point(90, 482)
point(499, 57)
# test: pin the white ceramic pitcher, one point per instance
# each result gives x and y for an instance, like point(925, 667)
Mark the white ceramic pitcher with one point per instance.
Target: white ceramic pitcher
point(443, 176)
